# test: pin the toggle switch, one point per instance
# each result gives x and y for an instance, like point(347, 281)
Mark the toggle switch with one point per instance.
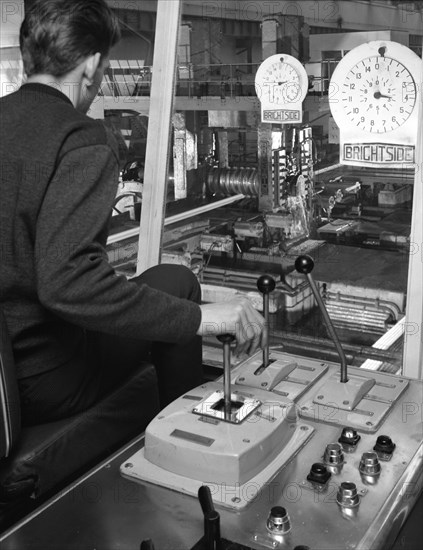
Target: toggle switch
point(369, 464)
point(318, 474)
point(333, 454)
point(278, 521)
point(347, 495)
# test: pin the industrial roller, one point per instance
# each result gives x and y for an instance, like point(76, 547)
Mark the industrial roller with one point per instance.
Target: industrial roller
point(231, 181)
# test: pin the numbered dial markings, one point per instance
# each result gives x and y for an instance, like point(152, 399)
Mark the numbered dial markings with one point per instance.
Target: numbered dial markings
point(280, 83)
point(378, 94)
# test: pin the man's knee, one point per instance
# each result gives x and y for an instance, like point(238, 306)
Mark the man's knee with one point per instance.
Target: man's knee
point(185, 281)
point(174, 279)
point(189, 283)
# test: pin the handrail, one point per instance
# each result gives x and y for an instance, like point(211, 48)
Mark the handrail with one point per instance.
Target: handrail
point(198, 80)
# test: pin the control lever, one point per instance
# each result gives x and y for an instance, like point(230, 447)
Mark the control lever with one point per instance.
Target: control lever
point(304, 264)
point(266, 284)
point(212, 539)
point(226, 340)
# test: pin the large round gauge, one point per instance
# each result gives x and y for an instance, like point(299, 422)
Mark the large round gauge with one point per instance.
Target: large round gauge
point(373, 89)
point(280, 80)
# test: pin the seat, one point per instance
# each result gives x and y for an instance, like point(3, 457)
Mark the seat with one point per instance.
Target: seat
point(38, 461)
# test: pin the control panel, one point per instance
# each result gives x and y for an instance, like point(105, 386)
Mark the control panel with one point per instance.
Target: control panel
point(294, 452)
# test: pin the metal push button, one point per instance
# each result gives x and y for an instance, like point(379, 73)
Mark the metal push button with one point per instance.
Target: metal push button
point(347, 495)
point(369, 464)
point(333, 454)
point(278, 521)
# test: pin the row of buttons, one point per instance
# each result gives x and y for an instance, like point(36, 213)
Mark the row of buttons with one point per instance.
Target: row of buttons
point(349, 439)
point(347, 496)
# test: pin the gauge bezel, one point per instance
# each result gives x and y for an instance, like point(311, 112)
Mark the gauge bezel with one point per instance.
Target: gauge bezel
point(341, 79)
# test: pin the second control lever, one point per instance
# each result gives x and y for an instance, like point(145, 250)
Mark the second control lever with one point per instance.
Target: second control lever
point(266, 284)
point(226, 340)
point(304, 264)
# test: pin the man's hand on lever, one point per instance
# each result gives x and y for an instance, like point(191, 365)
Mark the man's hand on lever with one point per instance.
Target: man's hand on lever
point(237, 317)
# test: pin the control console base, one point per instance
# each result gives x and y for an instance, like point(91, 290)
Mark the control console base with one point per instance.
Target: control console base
point(184, 450)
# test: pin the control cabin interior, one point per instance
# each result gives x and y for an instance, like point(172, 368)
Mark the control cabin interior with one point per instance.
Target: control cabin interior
point(220, 177)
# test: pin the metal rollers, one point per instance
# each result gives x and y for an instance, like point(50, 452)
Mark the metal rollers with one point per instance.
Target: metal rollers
point(231, 181)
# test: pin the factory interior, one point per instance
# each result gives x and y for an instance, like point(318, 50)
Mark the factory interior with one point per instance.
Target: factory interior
point(249, 153)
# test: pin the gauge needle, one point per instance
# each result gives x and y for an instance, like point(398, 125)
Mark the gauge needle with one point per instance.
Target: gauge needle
point(378, 95)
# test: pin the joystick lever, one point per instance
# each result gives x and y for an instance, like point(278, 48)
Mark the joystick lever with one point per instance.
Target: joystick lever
point(304, 264)
point(266, 285)
point(226, 340)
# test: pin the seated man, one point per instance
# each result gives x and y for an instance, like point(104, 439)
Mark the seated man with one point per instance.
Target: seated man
point(76, 326)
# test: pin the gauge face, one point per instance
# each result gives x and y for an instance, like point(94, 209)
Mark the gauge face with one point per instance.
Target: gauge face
point(280, 83)
point(281, 80)
point(378, 94)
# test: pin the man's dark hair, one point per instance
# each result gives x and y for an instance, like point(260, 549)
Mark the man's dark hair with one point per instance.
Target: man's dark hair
point(56, 35)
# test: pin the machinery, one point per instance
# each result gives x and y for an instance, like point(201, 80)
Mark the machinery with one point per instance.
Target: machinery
point(283, 451)
point(296, 453)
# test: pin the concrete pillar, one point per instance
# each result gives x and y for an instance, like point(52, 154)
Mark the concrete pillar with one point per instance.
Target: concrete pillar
point(289, 35)
point(269, 36)
point(269, 30)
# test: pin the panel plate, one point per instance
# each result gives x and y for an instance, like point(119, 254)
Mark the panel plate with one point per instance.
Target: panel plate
point(368, 414)
point(237, 496)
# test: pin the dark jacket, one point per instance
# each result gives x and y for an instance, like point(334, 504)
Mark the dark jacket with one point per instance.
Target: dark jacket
point(58, 180)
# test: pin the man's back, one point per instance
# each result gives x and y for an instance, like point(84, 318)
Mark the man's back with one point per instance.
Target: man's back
point(39, 127)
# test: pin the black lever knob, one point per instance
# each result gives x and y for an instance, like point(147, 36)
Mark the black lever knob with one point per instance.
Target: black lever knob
point(226, 338)
point(205, 498)
point(304, 264)
point(266, 284)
